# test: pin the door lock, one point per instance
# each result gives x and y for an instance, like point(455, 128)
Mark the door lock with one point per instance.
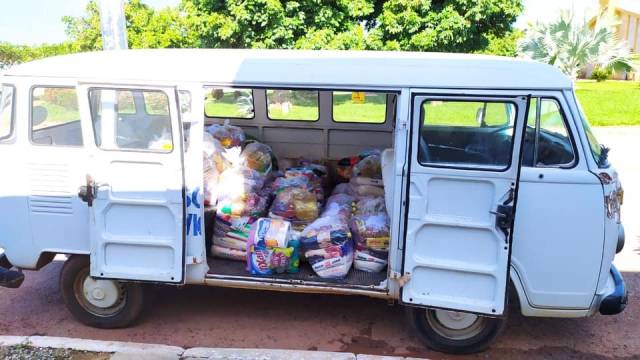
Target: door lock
point(504, 219)
point(87, 192)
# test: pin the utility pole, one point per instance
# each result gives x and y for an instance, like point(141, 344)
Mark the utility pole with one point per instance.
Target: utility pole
point(112, 25)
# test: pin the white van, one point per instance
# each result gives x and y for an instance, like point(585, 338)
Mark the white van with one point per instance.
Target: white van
point(492, 179)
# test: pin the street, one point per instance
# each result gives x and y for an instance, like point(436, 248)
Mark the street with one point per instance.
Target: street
point(214, 317)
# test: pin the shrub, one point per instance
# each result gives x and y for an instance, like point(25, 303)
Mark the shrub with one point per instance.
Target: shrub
point(600, 74)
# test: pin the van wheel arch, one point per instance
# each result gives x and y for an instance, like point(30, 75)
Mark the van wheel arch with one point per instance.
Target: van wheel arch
point(99, 303)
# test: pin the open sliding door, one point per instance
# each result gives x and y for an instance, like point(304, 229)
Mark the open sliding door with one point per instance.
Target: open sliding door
point(135, 182)
point(464, 168)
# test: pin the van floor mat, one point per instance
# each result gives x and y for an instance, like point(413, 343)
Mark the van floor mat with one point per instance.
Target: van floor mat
point(356, 278)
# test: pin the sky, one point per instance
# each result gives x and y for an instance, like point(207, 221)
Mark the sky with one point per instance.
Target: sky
point(39, 21)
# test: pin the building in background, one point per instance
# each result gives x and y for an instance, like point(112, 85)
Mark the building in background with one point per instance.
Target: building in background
point(628, 27)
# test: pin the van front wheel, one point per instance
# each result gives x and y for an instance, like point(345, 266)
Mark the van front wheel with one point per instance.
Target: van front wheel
point(454, 332)
point(99, 303)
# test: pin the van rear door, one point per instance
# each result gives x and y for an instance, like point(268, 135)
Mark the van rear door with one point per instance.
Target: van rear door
point(135, 182)
point(462, 192)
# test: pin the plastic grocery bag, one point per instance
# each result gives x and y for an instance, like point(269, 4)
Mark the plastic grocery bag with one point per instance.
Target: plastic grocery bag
point(239, 182)
point(371, 231)
point(371, 206)
point(257, 156)
point(370, 260)
point(228, 135)
point(295, 203)
point(340, 206)
point(369, 166)
point(328, 247)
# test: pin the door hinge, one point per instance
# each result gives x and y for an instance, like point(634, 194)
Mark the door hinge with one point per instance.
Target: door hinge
point(194, 260)
point(401, 279)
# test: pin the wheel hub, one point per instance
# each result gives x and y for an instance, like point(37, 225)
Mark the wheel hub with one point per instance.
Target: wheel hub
point(101, 293)
point(455, 320)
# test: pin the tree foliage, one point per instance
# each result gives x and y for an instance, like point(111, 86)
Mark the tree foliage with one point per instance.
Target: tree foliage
point(571, 44)
point(411, 25)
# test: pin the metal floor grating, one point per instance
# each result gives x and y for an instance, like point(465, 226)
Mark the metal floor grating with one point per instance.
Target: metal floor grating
point(355, 278)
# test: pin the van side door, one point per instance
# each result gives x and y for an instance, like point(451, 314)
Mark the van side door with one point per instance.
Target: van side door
point(464, 165)
point(135, 182)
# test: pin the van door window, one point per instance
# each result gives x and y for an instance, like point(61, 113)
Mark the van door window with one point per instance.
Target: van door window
point(548, 141)
point(235, 103)
point(299, 105)
point(6, 111)
point(467, 134)
point(131, 119)
point(55, 117)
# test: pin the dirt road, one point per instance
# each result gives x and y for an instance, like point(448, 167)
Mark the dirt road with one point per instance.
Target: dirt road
point(199, 316)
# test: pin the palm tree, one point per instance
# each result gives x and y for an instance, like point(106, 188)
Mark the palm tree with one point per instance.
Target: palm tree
point(570, 45)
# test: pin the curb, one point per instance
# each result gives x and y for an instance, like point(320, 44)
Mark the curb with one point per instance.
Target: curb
point(122, 350)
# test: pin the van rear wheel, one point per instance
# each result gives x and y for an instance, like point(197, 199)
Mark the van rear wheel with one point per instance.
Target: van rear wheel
point(454, 332)
point(99, 303)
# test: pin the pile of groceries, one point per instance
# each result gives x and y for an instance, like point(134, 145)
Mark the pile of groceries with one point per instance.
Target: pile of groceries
point(273, 219)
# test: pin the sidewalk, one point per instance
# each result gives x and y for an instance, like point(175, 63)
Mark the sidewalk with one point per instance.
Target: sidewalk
point(40, 346)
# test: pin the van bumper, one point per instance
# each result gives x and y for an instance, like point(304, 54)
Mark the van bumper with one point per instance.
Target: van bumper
point(9, 278)
point(615, 302)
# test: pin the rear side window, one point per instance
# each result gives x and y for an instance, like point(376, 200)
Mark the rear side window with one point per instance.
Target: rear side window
point(467, 133)
point(301, 105)
point(6, 111)
point(143, 130)
point(55, 118)
point(234, 103)
point(359, 106)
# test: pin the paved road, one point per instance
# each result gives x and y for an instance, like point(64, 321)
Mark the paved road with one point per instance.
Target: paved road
point(199, 316)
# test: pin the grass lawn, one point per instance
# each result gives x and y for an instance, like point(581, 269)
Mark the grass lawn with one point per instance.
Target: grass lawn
point(610, 102)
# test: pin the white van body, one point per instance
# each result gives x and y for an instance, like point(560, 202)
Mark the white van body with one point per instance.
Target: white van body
point(447, 251)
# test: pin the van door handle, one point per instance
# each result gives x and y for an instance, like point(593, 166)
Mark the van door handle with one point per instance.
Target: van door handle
point(87, 192)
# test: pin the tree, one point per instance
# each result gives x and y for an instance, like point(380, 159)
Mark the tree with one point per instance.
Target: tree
point(13, 54)
point(443, 25)
point(146, 28)
point(571, 45)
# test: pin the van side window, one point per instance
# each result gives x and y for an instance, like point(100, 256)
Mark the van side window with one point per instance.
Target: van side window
point(115, 126)
point(55, 118)
point(299, 105)
point(6, 111)
point(359, 106)
point(467, 133)
point(235, 103)
point(548, 142)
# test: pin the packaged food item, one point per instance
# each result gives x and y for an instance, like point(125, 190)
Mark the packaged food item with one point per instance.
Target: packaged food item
point(340, 206)
point(257, 156)
point(361, 180)
point(370, 205)
point(228, 135)
point(343, 188)
point(294, 203)
point(371, 231)
point(367, 190)
point(272, 233)
point(228, 253)
point(282, 183)
point(366, 260)
point(328, 247)
point(370, 166)
point(213, 154)
point(238, 182)
point(271, 249)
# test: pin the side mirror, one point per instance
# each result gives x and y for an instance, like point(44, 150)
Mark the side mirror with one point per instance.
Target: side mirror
point(38, 115)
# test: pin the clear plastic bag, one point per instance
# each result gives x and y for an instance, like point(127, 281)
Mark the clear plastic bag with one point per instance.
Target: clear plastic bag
point(371, 231)
point(238, 182)
point(343, 188)
point(271, 248)
point(324, 232)
point(339, 205)
point(296, 204)
point(282, 183)
point(228, 135)
point(257, 156)
point(371, 206)
point(369, 166)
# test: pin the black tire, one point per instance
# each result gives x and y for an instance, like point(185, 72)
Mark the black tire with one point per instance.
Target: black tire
point(479, 335)
point(129, 304)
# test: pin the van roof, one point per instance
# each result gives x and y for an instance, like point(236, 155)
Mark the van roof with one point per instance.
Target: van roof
point(301, 68)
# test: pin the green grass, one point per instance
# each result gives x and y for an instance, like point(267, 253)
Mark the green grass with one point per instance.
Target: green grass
point(610, 102)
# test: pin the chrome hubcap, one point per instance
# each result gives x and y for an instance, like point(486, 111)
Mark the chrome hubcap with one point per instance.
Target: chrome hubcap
point(455, 325)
